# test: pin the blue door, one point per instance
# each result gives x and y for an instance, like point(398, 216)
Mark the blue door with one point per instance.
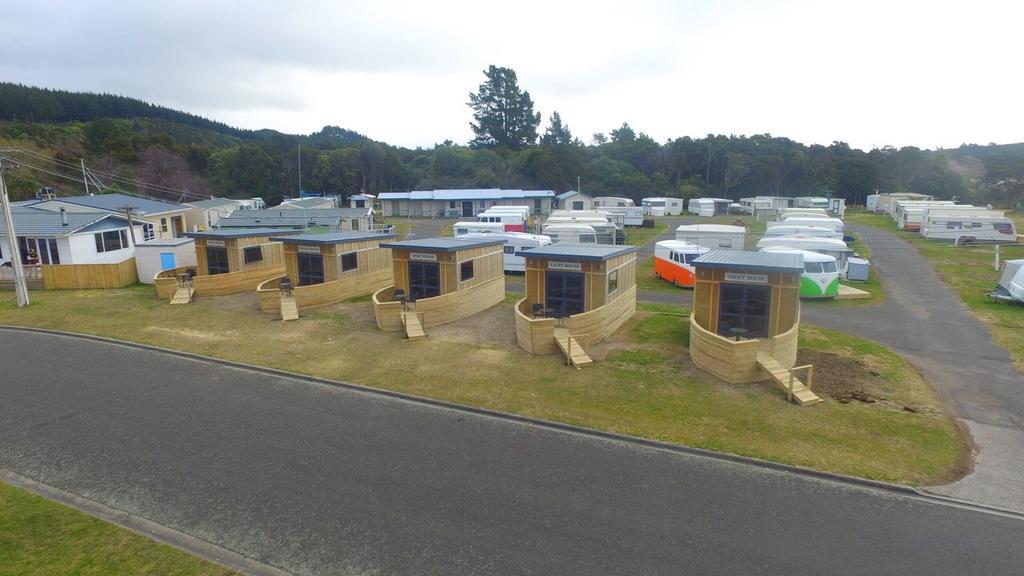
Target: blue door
point(167, 260)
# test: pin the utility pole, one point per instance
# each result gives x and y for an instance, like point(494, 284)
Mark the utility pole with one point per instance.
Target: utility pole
point(299, 195)
point(85, 179)
point(12, 240)
point(131, 223)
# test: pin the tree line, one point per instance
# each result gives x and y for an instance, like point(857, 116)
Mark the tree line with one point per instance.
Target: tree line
point(508, 151)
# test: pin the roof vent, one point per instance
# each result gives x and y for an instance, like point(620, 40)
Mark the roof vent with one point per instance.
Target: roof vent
point(63, 217)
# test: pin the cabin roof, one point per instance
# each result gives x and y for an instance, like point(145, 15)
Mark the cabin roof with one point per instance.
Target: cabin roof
point(742, 259)
point(333, 238)
point(446, 244)
point(599, 252)
point(241, 232)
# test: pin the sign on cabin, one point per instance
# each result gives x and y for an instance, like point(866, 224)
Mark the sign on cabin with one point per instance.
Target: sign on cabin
point(215, 243)
point(570, 266)
point(423, 256)
point(309, 249)
point(748, 278)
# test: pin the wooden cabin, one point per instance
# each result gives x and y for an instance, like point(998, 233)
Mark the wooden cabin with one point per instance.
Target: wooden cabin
point(746, 318)
point(576, 295)
point(228, 261)
point(325, 269)
point(439, 280)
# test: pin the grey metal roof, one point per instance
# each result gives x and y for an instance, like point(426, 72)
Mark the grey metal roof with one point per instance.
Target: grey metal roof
point(214, 203)
point(308, 202)
point(241, 233)
point(116, 202)
point(571, 251)
point(743, 259)
point(333, 238)
point(467, 194)
point(569, 194)
point(38, 223)
point(441, 244)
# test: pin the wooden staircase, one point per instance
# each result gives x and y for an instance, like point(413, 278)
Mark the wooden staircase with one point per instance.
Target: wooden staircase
point(800, 393)
point(183, 295)
point(289, 308)
point(574, 353)
point(413, 326)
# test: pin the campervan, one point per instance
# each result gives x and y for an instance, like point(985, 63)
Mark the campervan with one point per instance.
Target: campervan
point(830, 246)
point(708, 206)
point(798, 230)
point(834, 223)
point(570, 233)
point(968, 226)
point(463, 228)
point(713, 235)
point(1011, 284)
point(513, 221)
point(820, 278)
point(662, 206)
point(673, 261)
point(514, 242)
point(802, 213)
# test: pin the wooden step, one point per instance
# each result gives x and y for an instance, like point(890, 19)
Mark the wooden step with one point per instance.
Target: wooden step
point(289, 308)
point(781, 376)
point(413, 326)
point(567, 343)
point(183, 295)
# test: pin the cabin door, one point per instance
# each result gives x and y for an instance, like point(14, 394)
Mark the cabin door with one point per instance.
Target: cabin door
point(467, 209)
point(744, 310)
point(310, 269)
point(217, 260)
point(563, 293)
point(424, 280)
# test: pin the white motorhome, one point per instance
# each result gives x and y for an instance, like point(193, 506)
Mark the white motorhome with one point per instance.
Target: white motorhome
point(707, 207)
point(713, 236)
point(514, 242)
point(833, 223)
point(959, 228)
point(513, 221)
point(1011, 283)
point(787, 229)
point(463, 228)
point(657, 206)
point(570, 233)
point(835, 248)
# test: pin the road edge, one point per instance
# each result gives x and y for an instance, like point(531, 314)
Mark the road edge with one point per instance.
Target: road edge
point(890, 487)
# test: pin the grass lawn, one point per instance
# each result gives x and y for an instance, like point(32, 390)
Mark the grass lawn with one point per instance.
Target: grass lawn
point(642, 383)
point(971, 273)
point(39, 536)
point(642, 236)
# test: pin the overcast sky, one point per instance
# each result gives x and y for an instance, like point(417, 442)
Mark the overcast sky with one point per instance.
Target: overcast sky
point(869, 73)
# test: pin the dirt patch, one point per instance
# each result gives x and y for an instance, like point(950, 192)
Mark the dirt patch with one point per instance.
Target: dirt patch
point(495, 326)
point(243, 301)
point(849, 380)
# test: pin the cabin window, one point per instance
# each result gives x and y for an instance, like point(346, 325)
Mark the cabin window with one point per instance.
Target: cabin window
point(252, 254)
point(510, 250)
point(613, 281)
point(110, 240)
point(349, 261)
point(217, 260)
point(466, 271)
point(148, 231)
point(310, 269)
point(743, 310)
point(451, 204)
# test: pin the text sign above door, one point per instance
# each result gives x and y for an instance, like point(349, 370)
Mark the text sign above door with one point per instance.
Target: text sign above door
point(423, 256)
point(748, 278)
point(570, 266)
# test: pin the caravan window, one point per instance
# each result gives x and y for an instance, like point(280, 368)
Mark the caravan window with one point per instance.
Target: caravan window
point(510, 249)
point(588, 239)
point(1003, 227)
point(952, 225)
point(828, 267)
point(725, 243)
point(975, 224)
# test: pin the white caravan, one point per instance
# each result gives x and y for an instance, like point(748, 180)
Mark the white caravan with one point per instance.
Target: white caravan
point(959, 228)
point(834, 223)
point(1011, 284)
point(787, 229)
point(713, 235)
point(613, 202)
point(605, 230)
point(811, 202)
point(630, 215)
point(830, 246)
point(570, 233)
point(514, 242)
point(802, 213)
point(871, 202)
point(662, 206)
point(900, 212)
point(463, 228)
point(707, 207)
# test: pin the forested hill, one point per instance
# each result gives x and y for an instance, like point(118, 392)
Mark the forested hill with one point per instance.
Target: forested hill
point(177, 150)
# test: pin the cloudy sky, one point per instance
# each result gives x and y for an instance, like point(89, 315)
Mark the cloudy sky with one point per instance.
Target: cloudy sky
point(869, 73)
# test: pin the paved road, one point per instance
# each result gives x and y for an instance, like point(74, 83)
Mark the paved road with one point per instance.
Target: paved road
point(317, 479)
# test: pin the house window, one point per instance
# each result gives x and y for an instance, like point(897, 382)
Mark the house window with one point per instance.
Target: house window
point(110, 240)
point(355, 224)
point(148, 231)
point(577, 205)
point(510, 250)
point(163, 224)
point(451, 204)
point(466, 271)
point(613, 281)
point(349, 261)
point(39, 250)
point(252, 254)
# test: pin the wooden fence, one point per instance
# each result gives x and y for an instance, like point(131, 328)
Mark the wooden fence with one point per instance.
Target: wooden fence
point(325, 294)
point(735, 361)
point(82, 276)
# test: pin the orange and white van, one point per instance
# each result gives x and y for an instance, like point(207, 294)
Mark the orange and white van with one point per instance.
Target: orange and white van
point(673, 261)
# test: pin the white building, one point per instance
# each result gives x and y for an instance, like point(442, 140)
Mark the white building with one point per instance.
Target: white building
point(163, 254)
point(465, 203)
point(204, 214)
point(55, 237)
point(159, 219)
point(573, 200)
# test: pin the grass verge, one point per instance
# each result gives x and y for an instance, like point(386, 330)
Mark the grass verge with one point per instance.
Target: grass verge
point(970, 272)
point(42, 537)
point(646, 386)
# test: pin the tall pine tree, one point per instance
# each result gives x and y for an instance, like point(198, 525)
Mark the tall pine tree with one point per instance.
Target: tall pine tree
point(504, 114)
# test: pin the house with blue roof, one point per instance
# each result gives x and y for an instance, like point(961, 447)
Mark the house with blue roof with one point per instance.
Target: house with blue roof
point(158, 218)
point(463, 203)
point(62, 237)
